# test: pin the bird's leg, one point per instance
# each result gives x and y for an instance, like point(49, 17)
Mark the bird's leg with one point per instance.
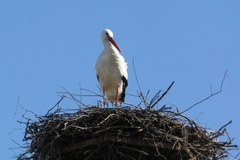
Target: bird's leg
point(117, 97)
point(104, 98)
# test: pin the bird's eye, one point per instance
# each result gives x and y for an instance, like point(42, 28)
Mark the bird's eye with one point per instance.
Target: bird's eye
point(107, 34)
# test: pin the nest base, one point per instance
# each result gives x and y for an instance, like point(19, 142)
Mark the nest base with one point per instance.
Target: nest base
point(121, 134)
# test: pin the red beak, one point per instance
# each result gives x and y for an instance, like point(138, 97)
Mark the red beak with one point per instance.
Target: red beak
point(114, 43)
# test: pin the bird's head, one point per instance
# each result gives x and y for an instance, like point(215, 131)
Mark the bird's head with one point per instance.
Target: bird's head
point(107, 37)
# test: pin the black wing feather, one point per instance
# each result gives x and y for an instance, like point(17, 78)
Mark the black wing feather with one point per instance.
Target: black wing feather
point(125, 84)
point(98, 78)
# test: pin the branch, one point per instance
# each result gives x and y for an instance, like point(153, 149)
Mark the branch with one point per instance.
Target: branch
point(135, 75)
point(141, 96)
point(208, 97)
point(159, 99)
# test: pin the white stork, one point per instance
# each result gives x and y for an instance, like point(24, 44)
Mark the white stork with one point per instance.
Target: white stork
point(111, 70)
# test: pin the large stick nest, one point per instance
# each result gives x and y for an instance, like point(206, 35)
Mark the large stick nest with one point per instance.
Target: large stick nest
point(124, 133)
point(121, 133)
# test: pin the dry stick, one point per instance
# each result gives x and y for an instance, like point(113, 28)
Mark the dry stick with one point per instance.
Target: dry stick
point(224, 126)
point(211, 95)
point(237, 155)
point(57, 104)
point(155, 98)
point(134, 149)
point(93, 93)
point(79, 103)
point(18, 105)
point(159, 99)
point(96, 150)
point(141, 93)
point(135, 75)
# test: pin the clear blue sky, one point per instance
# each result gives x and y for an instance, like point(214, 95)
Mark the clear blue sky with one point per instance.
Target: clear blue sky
point(48, 45)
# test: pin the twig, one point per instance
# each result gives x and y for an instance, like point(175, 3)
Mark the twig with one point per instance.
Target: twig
point(57, 104)
point(79, 103)
point(208, 97)
point(135, 75)
point(18, 104)
point(141, 96)
point(159, 99)
point(224, 126)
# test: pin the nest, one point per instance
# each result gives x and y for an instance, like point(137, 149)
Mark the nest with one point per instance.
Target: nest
point(124, 133)
point(121, 133)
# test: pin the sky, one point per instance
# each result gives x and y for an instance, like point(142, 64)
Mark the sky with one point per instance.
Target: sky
point(48, 47)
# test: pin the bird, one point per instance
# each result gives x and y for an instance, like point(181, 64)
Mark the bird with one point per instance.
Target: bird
point(111, 70)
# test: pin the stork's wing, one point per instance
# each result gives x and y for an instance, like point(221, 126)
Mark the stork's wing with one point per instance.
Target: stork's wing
point(98, 77)
point(124, 78)
point(125, 84)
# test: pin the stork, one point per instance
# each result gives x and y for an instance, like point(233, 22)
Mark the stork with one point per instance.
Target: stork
point(111, 70)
